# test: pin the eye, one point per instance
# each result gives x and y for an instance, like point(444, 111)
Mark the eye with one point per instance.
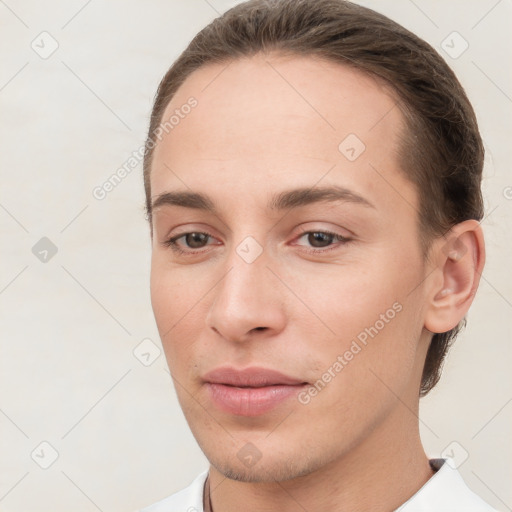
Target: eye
point(323, 239)
point(193, 240)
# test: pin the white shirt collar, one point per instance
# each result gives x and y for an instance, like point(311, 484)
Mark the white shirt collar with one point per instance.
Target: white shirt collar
point(445, 491)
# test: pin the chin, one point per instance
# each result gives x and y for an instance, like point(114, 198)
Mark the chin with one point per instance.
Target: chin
point(265, 470)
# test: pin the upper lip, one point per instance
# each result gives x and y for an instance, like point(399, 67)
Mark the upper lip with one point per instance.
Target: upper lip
point(249, 377)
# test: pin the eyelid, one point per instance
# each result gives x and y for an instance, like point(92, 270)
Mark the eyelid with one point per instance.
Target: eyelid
point(187, 228)
point(323, 231)
point(172, 241)
point(341, 232)
point(337, 243)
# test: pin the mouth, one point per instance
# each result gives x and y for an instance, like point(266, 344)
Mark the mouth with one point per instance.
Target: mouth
point(252, 391)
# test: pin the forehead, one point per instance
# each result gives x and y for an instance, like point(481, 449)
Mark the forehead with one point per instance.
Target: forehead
point(281, 117)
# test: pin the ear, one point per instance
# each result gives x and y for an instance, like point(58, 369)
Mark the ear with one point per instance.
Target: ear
point(459, 259)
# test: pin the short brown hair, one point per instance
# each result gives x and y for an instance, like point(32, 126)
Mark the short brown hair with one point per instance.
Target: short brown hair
point(442, 152)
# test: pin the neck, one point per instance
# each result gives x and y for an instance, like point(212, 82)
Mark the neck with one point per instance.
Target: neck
point(379, 474)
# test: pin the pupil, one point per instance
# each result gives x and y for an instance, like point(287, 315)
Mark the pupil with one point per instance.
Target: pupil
point(195, 240)
point(319, 237)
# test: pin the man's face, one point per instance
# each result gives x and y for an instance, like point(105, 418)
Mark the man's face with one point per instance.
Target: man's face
point(270, 288)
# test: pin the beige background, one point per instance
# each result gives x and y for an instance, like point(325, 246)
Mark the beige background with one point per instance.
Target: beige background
point(69, 326)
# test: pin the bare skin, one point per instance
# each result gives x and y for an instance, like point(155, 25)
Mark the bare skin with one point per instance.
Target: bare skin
point(262, 126)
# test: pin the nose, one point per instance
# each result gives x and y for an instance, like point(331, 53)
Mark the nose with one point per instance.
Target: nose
point(248, 301)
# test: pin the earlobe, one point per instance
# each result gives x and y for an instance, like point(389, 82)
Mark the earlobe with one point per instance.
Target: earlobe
point(460, 258)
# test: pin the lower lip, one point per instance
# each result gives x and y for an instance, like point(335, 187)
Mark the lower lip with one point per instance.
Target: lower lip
point(250, 401)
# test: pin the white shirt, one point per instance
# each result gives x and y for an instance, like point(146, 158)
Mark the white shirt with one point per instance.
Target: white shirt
point(445, 491)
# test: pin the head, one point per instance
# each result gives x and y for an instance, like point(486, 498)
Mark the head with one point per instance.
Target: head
point(320, 189)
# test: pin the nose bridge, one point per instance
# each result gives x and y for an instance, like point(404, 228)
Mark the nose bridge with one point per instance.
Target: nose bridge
point(248, 278)
point(245, 298)
point(249, 271)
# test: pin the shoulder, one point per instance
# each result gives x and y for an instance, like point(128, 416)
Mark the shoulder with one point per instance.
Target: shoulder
point(189, 499)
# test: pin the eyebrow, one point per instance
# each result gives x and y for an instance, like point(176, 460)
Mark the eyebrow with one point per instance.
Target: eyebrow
point(294, 198)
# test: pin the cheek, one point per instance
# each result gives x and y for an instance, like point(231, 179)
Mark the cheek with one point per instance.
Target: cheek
point(348, 299)
point(176, 303)
point(378, 361)
point(372, 316)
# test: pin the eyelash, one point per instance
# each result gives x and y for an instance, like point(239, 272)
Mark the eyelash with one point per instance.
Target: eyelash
point(343, 240)
point(172, 242)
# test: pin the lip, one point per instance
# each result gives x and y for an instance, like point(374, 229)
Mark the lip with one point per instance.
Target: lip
point(250, 391)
